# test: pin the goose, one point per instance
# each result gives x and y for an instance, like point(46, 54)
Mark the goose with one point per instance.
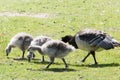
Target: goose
point(39, 41)
point(20, 40)
point(54, 49)
point(91, 40)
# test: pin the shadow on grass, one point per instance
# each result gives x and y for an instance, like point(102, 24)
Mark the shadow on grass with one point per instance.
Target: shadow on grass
point(59, 69)
point(45, 62)
point(24, 59)
point(85, 65)
point(20, 59)
point(102, 65)
point(17, 59)
point(53, 69)
point(77, 65)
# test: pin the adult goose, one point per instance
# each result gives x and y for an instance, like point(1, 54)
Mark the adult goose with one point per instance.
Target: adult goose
point(91, 41)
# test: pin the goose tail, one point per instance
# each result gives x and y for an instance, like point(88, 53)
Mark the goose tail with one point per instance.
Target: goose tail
point(116, 43)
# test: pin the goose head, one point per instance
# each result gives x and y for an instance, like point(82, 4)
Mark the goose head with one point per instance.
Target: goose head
point(70, 39)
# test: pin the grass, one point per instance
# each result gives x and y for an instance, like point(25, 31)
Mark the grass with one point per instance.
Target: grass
point(70, 17)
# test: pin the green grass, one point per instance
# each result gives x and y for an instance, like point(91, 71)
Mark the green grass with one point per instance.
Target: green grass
point(70, 17)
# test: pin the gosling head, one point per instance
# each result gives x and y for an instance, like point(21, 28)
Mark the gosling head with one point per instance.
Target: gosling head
point(31, 50)
point(30, 55)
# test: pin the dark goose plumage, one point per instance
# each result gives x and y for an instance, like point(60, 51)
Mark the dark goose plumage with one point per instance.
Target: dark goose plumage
point(95, 39)
point(91, 41)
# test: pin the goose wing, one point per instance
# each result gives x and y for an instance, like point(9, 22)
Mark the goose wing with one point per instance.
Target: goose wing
point(106, 43)
point(96, 38)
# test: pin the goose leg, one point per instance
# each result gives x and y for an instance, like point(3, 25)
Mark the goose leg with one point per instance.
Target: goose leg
point(23, 54)
point(93, 54)
point(66, 66)
point(51, 62)
point(33, 56)
point(43, 60)
point(83, 60)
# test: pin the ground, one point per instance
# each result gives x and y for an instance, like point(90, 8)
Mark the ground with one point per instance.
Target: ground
point(55, 19)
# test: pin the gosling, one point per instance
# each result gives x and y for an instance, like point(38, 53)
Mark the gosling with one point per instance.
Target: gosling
point(21, 41)
point(38, 41)
point(54, 49)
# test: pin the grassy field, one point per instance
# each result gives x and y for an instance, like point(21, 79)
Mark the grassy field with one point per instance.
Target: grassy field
point(65, 17)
